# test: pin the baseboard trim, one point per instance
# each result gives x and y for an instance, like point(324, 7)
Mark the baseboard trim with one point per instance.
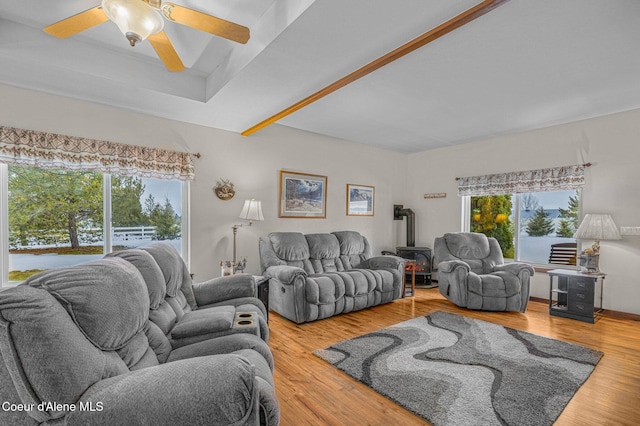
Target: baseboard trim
point(606, 312)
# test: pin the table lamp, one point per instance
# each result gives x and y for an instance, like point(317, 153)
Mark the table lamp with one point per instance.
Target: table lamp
point(595, 227)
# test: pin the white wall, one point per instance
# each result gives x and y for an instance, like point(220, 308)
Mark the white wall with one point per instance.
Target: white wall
point(612, 186)
point(252, 164)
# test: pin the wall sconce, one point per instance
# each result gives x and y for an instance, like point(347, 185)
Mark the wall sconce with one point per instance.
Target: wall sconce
point(252, 210)
point(595, 227)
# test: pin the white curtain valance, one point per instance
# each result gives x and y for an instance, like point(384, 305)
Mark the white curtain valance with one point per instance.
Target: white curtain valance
point(51, 150)
point(552, 179)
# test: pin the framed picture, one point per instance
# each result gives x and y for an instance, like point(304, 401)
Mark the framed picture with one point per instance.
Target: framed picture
point(303, 195)
point(360, 199)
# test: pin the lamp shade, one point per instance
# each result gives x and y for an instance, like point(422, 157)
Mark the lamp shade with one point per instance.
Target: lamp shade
point(252, 210)
point(598, 227)
point(135, 18)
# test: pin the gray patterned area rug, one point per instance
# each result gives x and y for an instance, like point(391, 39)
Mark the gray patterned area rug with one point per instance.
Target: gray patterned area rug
point(454, 370)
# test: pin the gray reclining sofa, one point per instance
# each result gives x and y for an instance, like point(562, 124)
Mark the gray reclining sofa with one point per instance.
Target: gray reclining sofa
point(316, 276)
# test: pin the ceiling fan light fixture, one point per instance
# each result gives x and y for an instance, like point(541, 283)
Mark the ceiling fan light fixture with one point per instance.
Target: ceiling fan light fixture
point(135, 18)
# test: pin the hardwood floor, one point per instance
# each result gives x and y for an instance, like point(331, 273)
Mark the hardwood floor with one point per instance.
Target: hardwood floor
point(311, 392)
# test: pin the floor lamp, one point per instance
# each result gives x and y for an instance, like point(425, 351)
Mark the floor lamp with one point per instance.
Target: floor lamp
point(252, 210)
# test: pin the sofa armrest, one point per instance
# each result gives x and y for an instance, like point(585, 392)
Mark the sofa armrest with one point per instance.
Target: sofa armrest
point(514, 267)
point(449, 266)
point(384, 262)
point(221, 388)
point(285, 274)
point(224, 288)
point(453, 280)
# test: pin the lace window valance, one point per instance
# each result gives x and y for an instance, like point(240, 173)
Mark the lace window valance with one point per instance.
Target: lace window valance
point(552, 179)
point(51, 150)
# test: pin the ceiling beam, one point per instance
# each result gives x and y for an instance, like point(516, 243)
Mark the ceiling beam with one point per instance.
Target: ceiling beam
point(418, 42)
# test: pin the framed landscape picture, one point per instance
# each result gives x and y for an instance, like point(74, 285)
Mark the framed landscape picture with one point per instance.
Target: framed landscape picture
point(303, 195)
point(360, 199)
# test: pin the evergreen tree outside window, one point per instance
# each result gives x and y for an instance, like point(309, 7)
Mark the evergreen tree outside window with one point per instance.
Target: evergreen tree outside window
point(56, 217)
point(540, 224)
point(57, 198)
point(144, 210)
point(570, 218)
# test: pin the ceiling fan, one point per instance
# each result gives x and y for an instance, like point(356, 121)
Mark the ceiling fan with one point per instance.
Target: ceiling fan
point(142, 19)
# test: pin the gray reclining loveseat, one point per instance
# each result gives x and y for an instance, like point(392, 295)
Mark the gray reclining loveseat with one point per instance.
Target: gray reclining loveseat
point(316, 276)
point(77, 347)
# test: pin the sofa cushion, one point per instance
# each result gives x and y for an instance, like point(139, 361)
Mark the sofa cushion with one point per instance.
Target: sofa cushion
point(170, 263)
point(323, 246)
point(204, 321)
point(324, 250)
point(175, 271)
point(164, 317)
point(351, 242)
point(47, 356)
point(468, 245)
point(476, 265)
point(290, 246)
point(323, 289)
point(106, 298)
point(151, 272)
point(137, 353)
point(158, 342)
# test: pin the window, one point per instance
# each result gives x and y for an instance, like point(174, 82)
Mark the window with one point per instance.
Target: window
point(528, 212)
point(66, 199)
point(56, 217)
point(526, 225)
point(145, 209)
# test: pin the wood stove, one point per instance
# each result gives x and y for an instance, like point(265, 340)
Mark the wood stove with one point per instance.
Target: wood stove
point(422, 255)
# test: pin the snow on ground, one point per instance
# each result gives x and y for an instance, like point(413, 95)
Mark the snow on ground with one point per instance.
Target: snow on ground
point(537, 249)
point(532, 249)
point(24, 262)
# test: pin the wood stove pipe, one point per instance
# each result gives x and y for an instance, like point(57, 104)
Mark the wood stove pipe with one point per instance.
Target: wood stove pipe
point(398, 213)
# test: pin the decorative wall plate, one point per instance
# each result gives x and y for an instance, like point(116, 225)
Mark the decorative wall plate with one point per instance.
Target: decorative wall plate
point(224, 190)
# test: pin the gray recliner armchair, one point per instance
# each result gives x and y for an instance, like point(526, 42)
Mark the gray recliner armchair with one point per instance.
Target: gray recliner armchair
point(472, 273)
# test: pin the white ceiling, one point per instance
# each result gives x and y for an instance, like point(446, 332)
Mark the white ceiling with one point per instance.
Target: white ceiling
point(525, 65)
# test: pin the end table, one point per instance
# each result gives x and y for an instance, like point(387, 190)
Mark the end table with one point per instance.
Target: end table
point(572, 294)
point(262, 283)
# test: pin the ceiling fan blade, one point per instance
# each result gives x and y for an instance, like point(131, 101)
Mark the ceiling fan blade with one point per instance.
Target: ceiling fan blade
point(207, 23)
point(77, 23)
point(165, 50)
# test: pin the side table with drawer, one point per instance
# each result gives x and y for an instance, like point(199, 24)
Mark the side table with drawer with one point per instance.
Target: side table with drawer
point(262, 283)
point(572, 293)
